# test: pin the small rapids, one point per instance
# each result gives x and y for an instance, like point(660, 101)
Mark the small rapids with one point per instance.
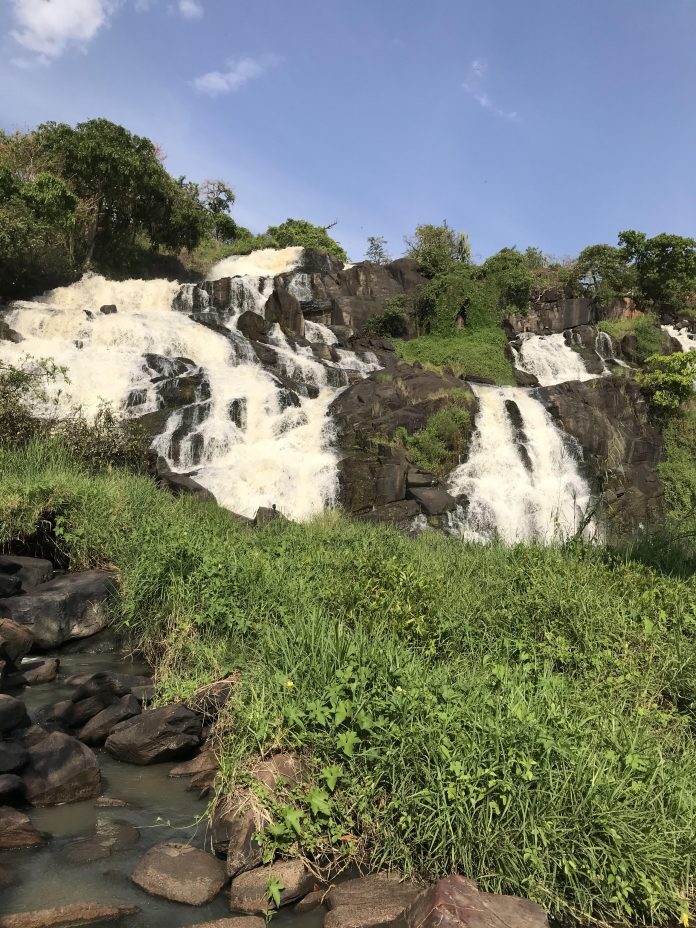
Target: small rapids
point(550, 359)
point(521, 482)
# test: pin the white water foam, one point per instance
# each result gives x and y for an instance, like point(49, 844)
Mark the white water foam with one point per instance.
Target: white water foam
point(522, 482)
point(550, 359)
point(686, 339)
point(267, 262)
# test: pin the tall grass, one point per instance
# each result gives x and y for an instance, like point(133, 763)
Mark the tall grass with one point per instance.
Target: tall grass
point(522, 715)
point(469, 353)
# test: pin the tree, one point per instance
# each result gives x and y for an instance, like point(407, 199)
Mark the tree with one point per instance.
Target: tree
point(669, 379)
point(509, 272)
point(665, 267)
point(437, 248)
point(303, 234)
point(604, 272)
point(217, 196)
point(377, 250)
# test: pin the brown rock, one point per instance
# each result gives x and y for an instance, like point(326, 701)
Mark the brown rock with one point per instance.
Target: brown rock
point(44, 672)
point(181, 873)
point(15, 640)
point(80, 913)
point(13, 714)
point(369, 901)
point(311, 901)
point(16, 830)
point(60, 769)
point(240, 921)
point(248, 890)
point(167, 733)
point(100, 726)
point(455, 902)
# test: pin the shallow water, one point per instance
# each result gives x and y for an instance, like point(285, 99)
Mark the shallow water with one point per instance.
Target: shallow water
point(160, 808)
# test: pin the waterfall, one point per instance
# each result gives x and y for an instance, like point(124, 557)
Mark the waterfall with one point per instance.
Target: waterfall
point(550, 359)
point(248, 436)
point(686, 339)
point(521, 480)
point(267, 262)
point(604, 349)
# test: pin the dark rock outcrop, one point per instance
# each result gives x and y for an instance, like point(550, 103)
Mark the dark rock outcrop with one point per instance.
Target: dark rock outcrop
point(611, 422)
point(67, 607)
point(167, 733)
point(13, 756)
point(547, 317)
point(30, 571)
point(60, 769)
point(181, 873)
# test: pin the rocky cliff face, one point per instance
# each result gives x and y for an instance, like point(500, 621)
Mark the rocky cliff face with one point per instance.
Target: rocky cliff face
point(611, 422)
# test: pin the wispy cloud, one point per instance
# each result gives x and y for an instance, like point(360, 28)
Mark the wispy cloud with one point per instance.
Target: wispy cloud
point(47, 28)
point(473, 85)
point(190, 9)
point(239, 72)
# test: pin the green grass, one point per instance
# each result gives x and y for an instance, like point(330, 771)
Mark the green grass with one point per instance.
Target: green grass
point(522, 715)
point(437, 446)
point(678, 472)
point(645, 326)
point(469, 353)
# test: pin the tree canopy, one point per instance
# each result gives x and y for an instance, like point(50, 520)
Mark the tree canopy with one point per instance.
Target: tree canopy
point(301, 233)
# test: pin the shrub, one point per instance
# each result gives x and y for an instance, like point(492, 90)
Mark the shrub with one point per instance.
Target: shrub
point(437, 446)
point(650, 338)
point(678, 472)
point(669, 379)
point(393, 322)
point(437, 248)
point(106, 441)
point(478, 353)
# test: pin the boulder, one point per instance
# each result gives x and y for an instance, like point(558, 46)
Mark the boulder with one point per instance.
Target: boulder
point(15, 640)
point(11, 789)
point(311, 901)
point(13, 714)
point(60, 769)
point(369, 901)
point(265, 514)
point(181, 873)
point(283, 308)
point(78, 913)
point(239, 921)
point(67, 607)
point(17, 831)
point(433, 500)
point(9, 585)
point(31, 571)
point(108, 309)
point(100, 726)
point(252, 326)
point(39, 672)
point(455, 902)
point(398, 513)
point(184, 485)
point(167, 733)
point(12, 756)
point(110, 837)
point(248, 890)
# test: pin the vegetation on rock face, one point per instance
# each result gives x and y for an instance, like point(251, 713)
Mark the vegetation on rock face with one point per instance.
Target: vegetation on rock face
point(436, 248)
point(301, 233)
point(649, 337)
point(479, 354)
point(669, 379)
point(522, 715)
point(678, 473)
point(437, 446)
point(393, 322)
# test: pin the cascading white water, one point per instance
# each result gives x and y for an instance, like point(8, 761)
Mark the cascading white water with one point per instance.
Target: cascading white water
point(604, 349)
point(550, 359)
point(267, 262)
point(686, 339)
point(521, 480)
point(252, 443)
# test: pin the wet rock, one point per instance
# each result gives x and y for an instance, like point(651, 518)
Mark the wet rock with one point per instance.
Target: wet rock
point(78, 913)
point(265, 514)
point(144, 694)
point(17, 831)
point(9, 585)
point(457, 903)
point(252, 326)
point(41, 672)
point(240, 921)
point(60, 769)
point(184, 484)
point(282, 307)
point(100, 726)
point(420, 478)
point(433, 500)
point(167, 733)
point(11, 789)
point(8, 877)
point(398, 513)
point(110, 837)
point(554, 315)
point(13, 714)
point(369, 901)
point(15, 640)
point(108, 309)
point(202, 769)
point(181, 873)
point(311, 901)
point(108, 802)
point(85, 851)
point(31, 571)
point(12, 756)
point(248, 890)
point(67, 607)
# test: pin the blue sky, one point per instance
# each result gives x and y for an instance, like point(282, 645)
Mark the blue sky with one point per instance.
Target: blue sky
point(554, 124)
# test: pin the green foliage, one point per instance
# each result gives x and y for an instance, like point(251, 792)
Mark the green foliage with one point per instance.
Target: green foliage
point(300, 232)
point(604, 273)
point(478, 353)
point(509, 272)
point(665, 267)
point(669, 379)
point(22, 386)
point(650, 338)
point(437, 248)
point(393, 322)
point(521, 715)
point(105, 441)
point(437, 446)
point(678, 472)
point(377, 250)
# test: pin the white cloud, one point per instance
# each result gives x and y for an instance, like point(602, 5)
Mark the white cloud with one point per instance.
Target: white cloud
point(190, 9)
point(48, 27)
point(238, 74)
point(473, 85)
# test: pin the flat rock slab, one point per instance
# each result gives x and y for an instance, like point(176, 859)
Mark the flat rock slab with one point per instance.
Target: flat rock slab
point(41, 672)
point(180, 873)
point(71, 606)
point(60, 769)
point(239, 921)
point(433, 500)
point(80, 913)
point(167, 733)
point(16, 830)
point(248, 890)
point(369, 901)
point(30, 571)
point(457, 903)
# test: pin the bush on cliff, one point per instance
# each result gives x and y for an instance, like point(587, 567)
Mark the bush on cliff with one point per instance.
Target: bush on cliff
point(522, 715)
point(477, 354)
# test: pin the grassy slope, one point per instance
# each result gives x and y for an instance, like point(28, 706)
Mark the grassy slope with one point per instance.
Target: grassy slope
point(472, 353)
point(650, 339)
point(523, 715)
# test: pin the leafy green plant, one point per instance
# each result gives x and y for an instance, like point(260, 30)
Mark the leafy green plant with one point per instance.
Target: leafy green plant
point(649, 337)
point(470, 353)
point(669, 379)
point(392, 322)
